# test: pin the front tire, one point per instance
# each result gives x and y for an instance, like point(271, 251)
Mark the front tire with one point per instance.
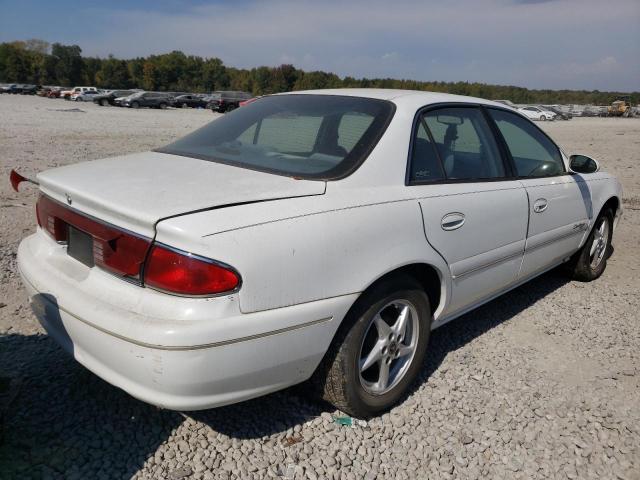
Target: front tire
point(104, 102)
point(591, 260)
point(135, 105)
point(542, 118)
point(379, 349)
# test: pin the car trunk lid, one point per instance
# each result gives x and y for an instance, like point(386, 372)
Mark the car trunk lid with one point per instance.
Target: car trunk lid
point(136, 191)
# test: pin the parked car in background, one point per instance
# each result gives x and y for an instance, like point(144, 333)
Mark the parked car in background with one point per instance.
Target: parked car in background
point(560, 114)
point(227, 101)
point(193, 101)
point(108, 97)
point(147, 99)
point(7, 87)
point(56, 92)
point(14, 88)
point(594, 111)
point(30, 89)
point(44, 90)
point(87, 96)
point(312, 235)
point(537, 113)
point(66, 94)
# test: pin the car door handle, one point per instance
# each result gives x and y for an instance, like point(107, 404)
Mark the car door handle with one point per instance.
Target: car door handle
point(540, 205)
point(452, 221)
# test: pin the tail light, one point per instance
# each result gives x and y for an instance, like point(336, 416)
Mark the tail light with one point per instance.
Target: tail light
point(123, 253)
point(116, 250)
point(183, 273)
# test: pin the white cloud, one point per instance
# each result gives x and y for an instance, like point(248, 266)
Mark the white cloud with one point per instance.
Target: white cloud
point(549, 44)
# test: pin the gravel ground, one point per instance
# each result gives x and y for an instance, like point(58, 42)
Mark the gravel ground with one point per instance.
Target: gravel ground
point(543, 382)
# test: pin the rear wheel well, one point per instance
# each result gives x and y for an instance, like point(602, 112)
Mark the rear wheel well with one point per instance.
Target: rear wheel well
point(425, 274)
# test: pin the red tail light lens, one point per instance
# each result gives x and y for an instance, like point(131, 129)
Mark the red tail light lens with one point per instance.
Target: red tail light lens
point(118, 251)
point(123, 253)
point(185, 274)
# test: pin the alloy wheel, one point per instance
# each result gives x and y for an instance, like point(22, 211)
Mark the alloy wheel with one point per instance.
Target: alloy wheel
point(599, 244)
point(388, 347)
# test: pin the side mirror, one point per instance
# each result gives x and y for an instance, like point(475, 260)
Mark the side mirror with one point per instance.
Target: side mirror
point(583, 164)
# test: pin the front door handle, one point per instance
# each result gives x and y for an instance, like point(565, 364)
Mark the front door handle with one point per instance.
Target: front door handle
point(452, 221)
point(540, 205)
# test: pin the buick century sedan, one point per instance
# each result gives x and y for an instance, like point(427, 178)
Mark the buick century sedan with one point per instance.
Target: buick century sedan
point(313, 236)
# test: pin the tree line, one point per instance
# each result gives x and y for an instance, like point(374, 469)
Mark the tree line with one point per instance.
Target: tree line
point(38, 62)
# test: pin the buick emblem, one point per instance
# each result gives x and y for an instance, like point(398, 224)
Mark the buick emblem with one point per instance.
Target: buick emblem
point(69, 199)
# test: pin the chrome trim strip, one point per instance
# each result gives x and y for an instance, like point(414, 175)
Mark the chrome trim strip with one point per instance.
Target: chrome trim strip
point(487, 265)
point(576, 231)
point(194, 347)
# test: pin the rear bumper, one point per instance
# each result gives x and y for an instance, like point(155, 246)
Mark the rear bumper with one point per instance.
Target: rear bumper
point(219, 356)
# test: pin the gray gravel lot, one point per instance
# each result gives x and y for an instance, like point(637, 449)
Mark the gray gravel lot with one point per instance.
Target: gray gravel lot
point(543, 382)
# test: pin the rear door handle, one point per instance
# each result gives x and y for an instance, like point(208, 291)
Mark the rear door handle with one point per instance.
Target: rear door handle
point(452, 221)
point(540, 205)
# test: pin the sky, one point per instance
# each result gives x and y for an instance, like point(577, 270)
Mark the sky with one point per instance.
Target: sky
point(575, 44)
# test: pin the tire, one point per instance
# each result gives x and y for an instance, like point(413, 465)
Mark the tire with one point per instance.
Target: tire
point(361, 392)
point(162, 106)
point(104, 102)
point(591, 260)
point(135, 105)
point(542, 118)
point(184, 105)
point(230, 108)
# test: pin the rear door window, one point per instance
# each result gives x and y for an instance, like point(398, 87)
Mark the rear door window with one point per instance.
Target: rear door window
point(425, 163)
point(463, 143)
point(533, 153)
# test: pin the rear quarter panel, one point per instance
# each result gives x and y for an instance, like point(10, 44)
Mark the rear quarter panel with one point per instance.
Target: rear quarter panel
point(306, 256)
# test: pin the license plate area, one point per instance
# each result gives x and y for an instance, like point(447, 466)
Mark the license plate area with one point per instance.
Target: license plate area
point(80, 246)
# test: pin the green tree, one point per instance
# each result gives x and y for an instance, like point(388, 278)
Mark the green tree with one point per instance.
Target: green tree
point(149, 76)
point(69, 67)
point(113, 73)
point(14, 62)
point(214, 75)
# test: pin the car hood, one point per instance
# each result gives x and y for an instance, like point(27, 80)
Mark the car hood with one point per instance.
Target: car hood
point(136, 191)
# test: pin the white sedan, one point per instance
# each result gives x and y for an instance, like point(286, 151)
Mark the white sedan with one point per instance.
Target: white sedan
point(307, 236)
point(537, 113)
point(85, 96)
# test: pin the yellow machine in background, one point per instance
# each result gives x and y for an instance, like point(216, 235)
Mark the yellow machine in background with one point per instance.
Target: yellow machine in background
point(621, 107)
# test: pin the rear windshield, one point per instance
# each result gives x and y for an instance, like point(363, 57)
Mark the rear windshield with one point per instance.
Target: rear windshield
point(307, 136)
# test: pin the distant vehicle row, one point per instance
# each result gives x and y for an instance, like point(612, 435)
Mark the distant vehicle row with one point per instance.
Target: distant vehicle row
point(218, 101)
point(226, 101)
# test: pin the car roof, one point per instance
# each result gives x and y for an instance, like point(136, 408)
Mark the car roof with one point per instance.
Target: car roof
point(417, 96)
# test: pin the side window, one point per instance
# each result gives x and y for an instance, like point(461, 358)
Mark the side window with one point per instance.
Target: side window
point(425, 164)
point(465, 144)
point(533, 153)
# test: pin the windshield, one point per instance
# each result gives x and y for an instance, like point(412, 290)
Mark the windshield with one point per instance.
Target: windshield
point(306, 136)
